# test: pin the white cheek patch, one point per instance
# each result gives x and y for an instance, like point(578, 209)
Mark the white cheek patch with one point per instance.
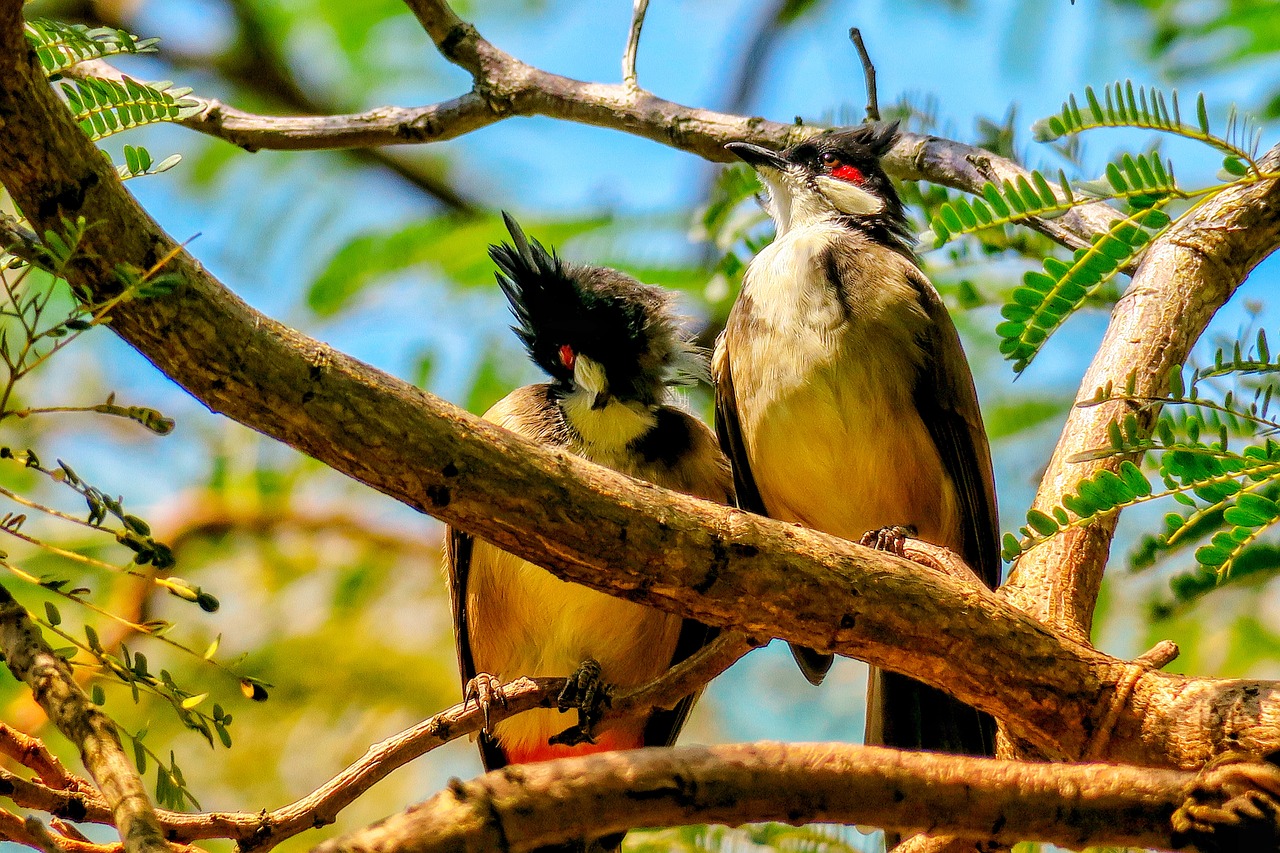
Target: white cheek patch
point(848, 198)
point(589, 375)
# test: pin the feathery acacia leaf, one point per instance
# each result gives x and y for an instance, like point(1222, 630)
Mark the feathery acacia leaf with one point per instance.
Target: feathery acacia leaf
point(104, 107)
point(1124, 105)
point(1045, 299)
point(60, 45)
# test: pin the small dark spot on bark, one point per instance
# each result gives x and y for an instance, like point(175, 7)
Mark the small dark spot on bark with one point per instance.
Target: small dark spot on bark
point(314, 373)
point(450, 42)
point(439, 495)
point(745, 551)
point(998, 825)
point(1251, 690)
point(319, 821)
point(449, 470)
point(846, 621)
point(719, 558)
point(308, 396)
point(898, 796)
point(6, 787)
point(218, 385)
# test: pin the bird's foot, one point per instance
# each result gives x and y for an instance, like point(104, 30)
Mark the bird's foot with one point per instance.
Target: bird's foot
point(585, 691)
point(891, 539)
point(486, 691)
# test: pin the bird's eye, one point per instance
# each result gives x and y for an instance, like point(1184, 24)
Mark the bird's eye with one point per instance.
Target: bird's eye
point(568, 356)
point(830, 160)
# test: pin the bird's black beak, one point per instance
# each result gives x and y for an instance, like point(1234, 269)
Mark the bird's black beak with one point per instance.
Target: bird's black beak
point(758, 157)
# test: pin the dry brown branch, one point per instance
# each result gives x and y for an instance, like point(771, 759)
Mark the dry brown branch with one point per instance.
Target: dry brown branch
point(505, 87)
point(640, 8)
point(521, 808)
point(32, 754)
point(868, 74)
point(31, 660)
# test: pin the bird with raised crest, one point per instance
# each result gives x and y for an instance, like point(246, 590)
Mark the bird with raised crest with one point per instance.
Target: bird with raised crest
point(613, 350)
point(844, 399)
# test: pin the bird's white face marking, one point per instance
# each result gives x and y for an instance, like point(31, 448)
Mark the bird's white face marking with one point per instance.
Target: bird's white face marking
point(605, 429)
point(795, 203)
point(848, 197)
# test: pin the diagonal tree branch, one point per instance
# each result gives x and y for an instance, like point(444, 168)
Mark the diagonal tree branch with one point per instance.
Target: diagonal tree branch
point(32, 661)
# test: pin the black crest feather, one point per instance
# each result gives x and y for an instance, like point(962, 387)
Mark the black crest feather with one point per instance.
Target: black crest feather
point(606, 315)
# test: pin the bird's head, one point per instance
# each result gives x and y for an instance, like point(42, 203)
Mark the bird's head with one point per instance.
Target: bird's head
point(833, 176)
point(595, 330)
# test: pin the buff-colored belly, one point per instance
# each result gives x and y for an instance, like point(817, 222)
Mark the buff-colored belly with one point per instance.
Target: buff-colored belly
point(838, 446)
point(524, 621)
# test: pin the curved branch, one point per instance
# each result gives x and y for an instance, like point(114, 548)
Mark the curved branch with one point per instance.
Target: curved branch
point(49, 677)
point(1183, 279)
point(556, 801)
point(505, 87)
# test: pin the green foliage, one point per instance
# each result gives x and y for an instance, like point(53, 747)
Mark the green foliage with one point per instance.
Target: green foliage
point(104, 107)
point(1001, 205)
point(138, 162)
point(40, 315)
point(1122, 105)
point(60, 45)
point(1229, 495)
point(1047, 298)
point(456, 248)
point(1141, 187)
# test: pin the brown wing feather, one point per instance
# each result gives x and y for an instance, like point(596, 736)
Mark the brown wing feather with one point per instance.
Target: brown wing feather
point(902, 712)
point(814, 665)
point(948, 405)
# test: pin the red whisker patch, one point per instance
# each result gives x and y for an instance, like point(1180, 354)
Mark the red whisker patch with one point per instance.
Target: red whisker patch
point(848, 173)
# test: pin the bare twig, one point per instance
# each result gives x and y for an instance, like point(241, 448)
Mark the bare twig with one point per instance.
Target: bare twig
point(31, 660)
point(688, 676)
point(633, 45)
point(868, 73)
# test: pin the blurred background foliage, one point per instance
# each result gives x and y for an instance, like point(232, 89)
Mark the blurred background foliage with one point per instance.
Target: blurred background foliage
point(331, 594)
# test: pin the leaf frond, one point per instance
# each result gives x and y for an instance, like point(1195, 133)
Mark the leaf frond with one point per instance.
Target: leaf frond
point(60, 45)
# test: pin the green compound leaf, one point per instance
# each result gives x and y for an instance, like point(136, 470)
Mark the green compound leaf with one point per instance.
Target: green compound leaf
point(60, 46)
point(1124, 105)
point(1045, 299)
point(104, 107)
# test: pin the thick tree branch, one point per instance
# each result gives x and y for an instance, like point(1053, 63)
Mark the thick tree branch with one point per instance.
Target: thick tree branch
point(697, 559)
point(522, 808)
point(1184, 278)
point(32, 661)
